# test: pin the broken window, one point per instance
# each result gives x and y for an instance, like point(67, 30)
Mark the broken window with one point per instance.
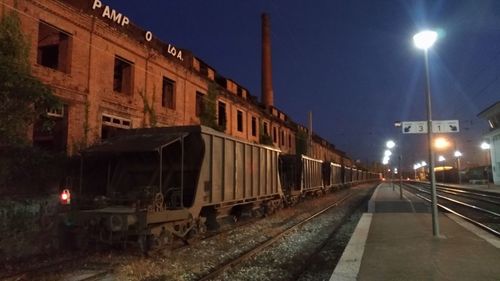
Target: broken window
point(51, 132)
point(111, 125)
point(203, 69)
point(254, 126)
point(122, 77)
point(199, 103)
point(222, 119)
point(168, 93)
point(239, 119)
point(54, 47)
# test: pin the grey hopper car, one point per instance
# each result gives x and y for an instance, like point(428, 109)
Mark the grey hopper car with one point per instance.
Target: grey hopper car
point(158, 184)
point(300, 176)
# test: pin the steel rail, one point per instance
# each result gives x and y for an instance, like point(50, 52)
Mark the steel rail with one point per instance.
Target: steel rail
point(466, 205)
point(481, 225)
point(470, 195)
point(489, 229)
point(259, 248)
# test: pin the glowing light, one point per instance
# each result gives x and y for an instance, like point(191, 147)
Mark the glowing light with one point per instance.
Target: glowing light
point(441, 158)
point(441, 143)
point(485, 145)
point(457, 154)
point(387, 153)
point(390, 144)
point(65, 197)
point(425, 39)
point(423, 164)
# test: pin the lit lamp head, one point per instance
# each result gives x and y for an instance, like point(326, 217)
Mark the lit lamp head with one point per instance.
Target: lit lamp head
point(385, 161)
point(457, 154)
point(423, 164)
point(425, 39)
point(441, 143)
point(387, 153)
point(390, 144)
point(485, 145)
point(441, 158)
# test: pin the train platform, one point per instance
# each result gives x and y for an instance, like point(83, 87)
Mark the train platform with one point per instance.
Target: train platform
point(394, 241)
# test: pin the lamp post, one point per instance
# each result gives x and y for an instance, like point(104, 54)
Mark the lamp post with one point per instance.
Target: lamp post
point(424, 40)
point(415, 168)
point(458, 154)
point(390, 144)
point(442, 159)
point(486, 147)
point(423, 165)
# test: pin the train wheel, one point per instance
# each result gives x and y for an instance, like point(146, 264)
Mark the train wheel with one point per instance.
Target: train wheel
point(165, 239)
point(145, 242)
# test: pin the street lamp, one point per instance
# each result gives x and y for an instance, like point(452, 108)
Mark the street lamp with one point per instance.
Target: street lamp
point(486, 146)
point(424, 40)
point(441, 143)
point(390, 144)
point(442, 159)
point(457, 155)
point(416, 167)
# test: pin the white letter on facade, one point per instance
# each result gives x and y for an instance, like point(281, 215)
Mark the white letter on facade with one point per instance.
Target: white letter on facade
point(106, 12)
point(125, 21)
point(115, 16)
point(149, 36)
point(97, 4)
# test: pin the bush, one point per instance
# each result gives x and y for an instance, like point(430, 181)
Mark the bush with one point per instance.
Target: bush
point(30, 171)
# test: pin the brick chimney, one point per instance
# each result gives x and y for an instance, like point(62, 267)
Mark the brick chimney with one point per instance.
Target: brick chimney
point(267, 80)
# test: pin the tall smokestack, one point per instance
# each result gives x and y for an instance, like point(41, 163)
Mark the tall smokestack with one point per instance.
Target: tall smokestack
point(267, 79)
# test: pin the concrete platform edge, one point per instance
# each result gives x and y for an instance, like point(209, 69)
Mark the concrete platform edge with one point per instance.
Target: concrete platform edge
point(347, 268)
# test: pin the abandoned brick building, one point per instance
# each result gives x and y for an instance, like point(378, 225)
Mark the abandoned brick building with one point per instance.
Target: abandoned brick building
point(112, 75)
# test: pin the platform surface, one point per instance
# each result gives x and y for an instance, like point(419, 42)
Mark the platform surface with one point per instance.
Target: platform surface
point(394, 241)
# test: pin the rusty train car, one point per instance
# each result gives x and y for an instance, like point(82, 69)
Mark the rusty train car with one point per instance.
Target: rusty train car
point(155, 185)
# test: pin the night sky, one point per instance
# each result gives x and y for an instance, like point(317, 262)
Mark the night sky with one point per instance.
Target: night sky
point(352, 63)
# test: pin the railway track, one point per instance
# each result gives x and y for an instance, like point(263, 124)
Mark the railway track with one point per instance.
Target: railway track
point(480, 209)
point(106, 266)
point(266, 244)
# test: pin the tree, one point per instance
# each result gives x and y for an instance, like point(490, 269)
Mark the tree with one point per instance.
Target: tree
point(23, 98)
point(208, 116)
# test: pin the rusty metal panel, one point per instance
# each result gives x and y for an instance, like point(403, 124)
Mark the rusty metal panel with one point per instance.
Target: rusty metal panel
point(256, 167)
point(228, 165)
point(240, 170)
point(262, 171)
point(250, 172)
point(217, 169)
point(205, 178)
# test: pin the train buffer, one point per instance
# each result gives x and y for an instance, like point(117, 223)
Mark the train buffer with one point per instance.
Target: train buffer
point(394, 241)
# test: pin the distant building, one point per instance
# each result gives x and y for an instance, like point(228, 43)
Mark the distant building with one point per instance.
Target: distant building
point(492, 114)
point(112, 75)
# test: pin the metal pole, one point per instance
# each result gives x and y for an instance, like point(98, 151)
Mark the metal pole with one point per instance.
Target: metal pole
point(435, 222)
point(400, 175)
point(392, 179)
point(442, 170)
point(458, 168)
point(488, 164)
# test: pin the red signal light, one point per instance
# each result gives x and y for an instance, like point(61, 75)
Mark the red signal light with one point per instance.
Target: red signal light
point(65, 197)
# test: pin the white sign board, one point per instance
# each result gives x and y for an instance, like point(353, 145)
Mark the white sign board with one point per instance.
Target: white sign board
point(445, 126)
point(438, 126)
point(414, 127)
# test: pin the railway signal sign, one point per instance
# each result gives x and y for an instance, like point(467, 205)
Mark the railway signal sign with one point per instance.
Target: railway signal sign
point(438, 126)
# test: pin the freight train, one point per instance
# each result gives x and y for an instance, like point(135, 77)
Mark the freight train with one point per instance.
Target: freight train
point(156, 185)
